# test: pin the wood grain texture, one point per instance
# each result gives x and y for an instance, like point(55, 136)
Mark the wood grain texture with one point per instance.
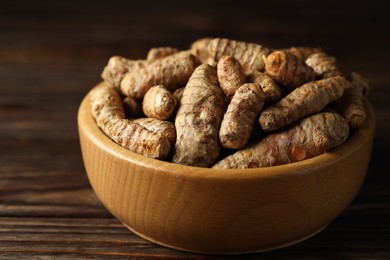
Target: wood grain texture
point(51, 55)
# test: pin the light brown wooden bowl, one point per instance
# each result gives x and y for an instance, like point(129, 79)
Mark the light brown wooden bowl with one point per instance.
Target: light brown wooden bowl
point(223, 211)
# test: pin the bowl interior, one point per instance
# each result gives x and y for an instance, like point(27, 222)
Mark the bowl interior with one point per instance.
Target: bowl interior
point(354, 142)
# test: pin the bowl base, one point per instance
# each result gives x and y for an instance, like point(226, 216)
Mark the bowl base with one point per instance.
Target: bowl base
point(260, 250)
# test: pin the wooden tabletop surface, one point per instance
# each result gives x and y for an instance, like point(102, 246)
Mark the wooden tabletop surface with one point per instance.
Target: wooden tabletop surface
point(52, 54)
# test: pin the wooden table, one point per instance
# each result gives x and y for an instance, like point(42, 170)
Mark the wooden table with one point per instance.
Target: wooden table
point(52, 54)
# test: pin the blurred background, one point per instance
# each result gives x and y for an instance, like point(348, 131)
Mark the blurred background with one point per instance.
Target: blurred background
point(52, 54)
point(92, 31)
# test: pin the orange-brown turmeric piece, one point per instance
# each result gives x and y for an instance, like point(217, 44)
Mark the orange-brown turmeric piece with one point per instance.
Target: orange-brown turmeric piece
point(109, 114)
point(159, 103)
point(248, 54)
point(302, 52)
point(117, 67)
point(272, 91)
point(198, 119)
point(178, 94)
point(323, 65)
point(362, 85)
point(230, 75)
point(160, 52)
point(310, 137)
point(158, 126)
point(240, 116)
point(199, 49)
point(172, 71)
point(351, 105)
point(287, 69)
point(305, 100)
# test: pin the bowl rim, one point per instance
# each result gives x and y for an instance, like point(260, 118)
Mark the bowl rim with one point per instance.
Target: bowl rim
point(87, 124)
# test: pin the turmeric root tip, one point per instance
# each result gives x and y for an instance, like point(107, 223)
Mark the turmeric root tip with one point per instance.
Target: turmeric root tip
point(305, 100)
point(109, 114)
point(199, 118)
point(308, 138)
point(236, 129)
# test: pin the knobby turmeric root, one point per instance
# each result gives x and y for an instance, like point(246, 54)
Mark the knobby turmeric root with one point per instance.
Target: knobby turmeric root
point(172, 71)
point(308, 138)
point(117, 67)
point(351, 105)
point(109, 114)
point(287, 69)
point(236, 129)
point(248, 54)
point(160, 52)
point(106, 105)
point(272, 91)
point(199, 118)
point(323, 65)
point(230, 75)
point(305, 100)
point(362, 86)
point(199, 50)
point(302, 52)
point(178, 94)
point(159, 103)
point(158, 126)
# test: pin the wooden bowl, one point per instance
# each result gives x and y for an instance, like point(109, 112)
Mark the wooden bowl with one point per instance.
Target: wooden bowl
point(223, 211)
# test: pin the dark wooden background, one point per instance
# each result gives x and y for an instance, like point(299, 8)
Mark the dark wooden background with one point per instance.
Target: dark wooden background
point(52, 54)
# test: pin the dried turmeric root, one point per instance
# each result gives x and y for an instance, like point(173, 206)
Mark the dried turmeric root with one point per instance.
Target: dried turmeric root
point(236, 129)
point(117, 67)
point(230, 75)
point(287, 69)
point(302, 52)
point(106, 105)
point(199, 50)
point(351, 105)
point(159, 103)
point(199, 118)
point(297, 92)
point(172, 71)
point(308, 138)
point(305, 100)
point(160, 52)
point(248, 54)
point(178, 94)
point(272, 91)
point(109, 114)
point(323, 65)
point(158, 126)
